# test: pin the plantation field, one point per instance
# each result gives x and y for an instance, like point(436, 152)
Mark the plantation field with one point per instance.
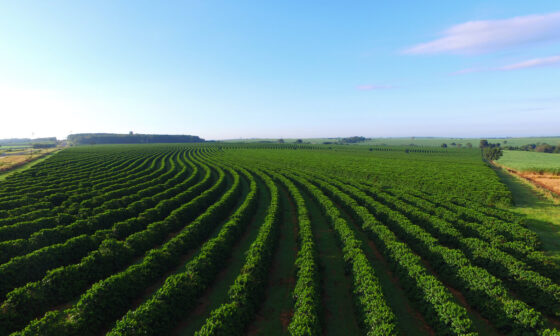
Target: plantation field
point(421, 141)
point(531, 161)
point(269, 239)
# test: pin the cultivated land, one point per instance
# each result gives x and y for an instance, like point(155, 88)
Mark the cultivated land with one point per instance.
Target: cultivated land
point(531, 162)
point(421, 141)
point(541, 169)
point(18, 157)
point(265, 239)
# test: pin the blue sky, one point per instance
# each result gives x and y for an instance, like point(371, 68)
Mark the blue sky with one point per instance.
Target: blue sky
point(241, 69)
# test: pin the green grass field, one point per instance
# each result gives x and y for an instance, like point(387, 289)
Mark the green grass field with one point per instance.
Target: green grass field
point(531, 161)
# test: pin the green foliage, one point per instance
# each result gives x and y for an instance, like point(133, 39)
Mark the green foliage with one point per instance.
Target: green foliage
point(128, 239)
point(492, 153)
point(352, 140)
point(131, 138)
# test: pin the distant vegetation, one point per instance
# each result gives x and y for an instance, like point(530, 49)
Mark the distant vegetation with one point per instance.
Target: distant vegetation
point(415, 141)
point(27, 141)
point(354, 139)
point(43, 145)
point(112, 138)
point(538, 147)
point(343, 141)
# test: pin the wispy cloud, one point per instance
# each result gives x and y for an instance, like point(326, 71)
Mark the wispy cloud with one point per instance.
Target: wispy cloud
point(484, 36)
point(532, 63)
point(371, 87)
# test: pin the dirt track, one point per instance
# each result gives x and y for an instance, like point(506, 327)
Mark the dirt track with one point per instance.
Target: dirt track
point(549, 182)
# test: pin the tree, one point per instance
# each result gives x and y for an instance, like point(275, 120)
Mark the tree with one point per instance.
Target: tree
point(469, 145)
point(280, 140)
point(492, 153)
point(483, 143)
point(544, 148)
point(444, 145)
point(299, 141)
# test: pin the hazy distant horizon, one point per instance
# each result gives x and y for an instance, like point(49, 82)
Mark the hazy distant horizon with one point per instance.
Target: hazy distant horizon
point(329, 137)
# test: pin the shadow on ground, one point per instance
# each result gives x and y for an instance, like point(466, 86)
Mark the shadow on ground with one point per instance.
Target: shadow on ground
point(542, 212)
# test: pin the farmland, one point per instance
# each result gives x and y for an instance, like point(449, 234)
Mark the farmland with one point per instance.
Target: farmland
point(420, 141)
point(540, 169)
point(269, 239)
point(531, 162)
point(15, 157)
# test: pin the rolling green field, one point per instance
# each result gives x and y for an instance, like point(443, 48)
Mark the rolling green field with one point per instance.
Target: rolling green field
point(531, 161)
point(269, 239)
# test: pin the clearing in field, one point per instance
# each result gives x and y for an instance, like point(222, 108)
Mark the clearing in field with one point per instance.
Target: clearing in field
point(542, 169)
point(13, 159)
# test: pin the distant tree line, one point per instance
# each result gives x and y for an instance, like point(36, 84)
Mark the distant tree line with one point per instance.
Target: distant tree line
point(354, 139)
point(111, 138)
point(538, 147)
point(458, 145)
point(349, 140)
point(27, 141)
point(44, 145)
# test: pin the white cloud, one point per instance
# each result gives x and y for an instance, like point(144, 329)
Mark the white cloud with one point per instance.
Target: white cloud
point(532, 63)
point(484, 36)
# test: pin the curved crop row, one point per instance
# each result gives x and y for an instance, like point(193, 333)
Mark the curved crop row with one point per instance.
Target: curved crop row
point(377, 317)
point(305, 320)
point(244, 295)
point(179, 294)
point(34, 298)
point(435, 301)
point(121, 289)
point(482, 290)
